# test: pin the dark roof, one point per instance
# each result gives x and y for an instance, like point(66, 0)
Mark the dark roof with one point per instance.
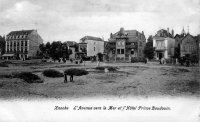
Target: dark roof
point(91, 38)
point(22, 32)
point(130, 35)
point(179, 36)
point(71, 43)
point(163, 33)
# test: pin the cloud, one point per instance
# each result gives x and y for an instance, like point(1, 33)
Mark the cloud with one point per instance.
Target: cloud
point(72, 19)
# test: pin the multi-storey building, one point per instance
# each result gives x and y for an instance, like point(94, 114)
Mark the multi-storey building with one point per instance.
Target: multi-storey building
point(164, 44)
point(91, 46)
point(22, 44)
point(189, 45)
point(126, 44)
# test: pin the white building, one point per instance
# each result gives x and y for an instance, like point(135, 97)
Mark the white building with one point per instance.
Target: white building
point(91, 46)
point(163, 43)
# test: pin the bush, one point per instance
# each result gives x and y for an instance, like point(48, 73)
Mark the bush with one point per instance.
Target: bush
point(28, 77)
point(3, 65)
point(52, 73)
point(110, 68)
point(76, 72)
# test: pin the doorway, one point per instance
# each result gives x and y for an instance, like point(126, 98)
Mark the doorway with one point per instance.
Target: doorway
point(160, 55)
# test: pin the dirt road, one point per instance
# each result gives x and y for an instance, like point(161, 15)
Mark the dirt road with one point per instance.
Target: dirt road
point(131, 80)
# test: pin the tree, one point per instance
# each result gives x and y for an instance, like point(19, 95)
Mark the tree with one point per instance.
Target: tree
point(65, 52)
point(42, 50)
point(177, 52)
point(2, 45)
point(48, 48)
point(149, 50)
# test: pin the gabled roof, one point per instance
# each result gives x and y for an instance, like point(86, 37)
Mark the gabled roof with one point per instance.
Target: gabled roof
point(188, 35)
point(22, 32)
point(91, 38)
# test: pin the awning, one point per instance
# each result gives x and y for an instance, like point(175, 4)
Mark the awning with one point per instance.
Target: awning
point(8, 55)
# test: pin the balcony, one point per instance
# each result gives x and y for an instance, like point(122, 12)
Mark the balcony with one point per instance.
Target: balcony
point(131, 46)
point(160, 48)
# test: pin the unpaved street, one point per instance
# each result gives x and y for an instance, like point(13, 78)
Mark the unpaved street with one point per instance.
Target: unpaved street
point(130, 80)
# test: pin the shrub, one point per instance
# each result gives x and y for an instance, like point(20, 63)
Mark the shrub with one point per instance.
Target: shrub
point(52, 73)
point(28, 77)
point(3, 65)
point(76, 72)
point(110, 68)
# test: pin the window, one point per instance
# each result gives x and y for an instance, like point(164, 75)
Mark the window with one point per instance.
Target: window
point(113, 51)
point(132, 43)
point(123, 43)
point(17, 43)
point(25, 49)
point(26, 43)
point(132, 52)
point(94, 48)
point(122, 51)
point(22, 42)
point(118, 51)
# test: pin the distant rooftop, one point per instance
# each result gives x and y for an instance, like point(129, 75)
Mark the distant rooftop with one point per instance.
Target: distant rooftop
point(91, 38)
point(21, 32)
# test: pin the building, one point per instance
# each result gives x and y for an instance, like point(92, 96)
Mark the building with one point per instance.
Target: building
point(91, 46)
point(164, 44)
point(189, 46)
point(73, 47)
point(126, 44)
point(22, 44)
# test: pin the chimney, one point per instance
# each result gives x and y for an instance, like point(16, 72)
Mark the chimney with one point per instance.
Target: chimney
point(172, 32)
point(168, 30)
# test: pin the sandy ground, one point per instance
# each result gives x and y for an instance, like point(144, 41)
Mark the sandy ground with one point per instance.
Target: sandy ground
point(131, 80)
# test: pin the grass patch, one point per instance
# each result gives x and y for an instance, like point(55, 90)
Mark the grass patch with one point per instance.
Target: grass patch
point(52, 73)
point(110, 68)
point(28, 77)
point(76, 72)
point(185, 86)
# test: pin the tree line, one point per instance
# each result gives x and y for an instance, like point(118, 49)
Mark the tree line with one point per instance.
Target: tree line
point(56, 50)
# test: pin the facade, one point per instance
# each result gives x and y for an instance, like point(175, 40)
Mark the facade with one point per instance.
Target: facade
point(164, 44)
point(91, 46)
point(22, 44)
point(126, 44)
point(189, 45)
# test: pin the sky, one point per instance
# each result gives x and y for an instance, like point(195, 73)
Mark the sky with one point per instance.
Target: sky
point(70, 20)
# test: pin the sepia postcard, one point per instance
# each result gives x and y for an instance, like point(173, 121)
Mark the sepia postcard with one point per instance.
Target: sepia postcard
point(100, 60)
